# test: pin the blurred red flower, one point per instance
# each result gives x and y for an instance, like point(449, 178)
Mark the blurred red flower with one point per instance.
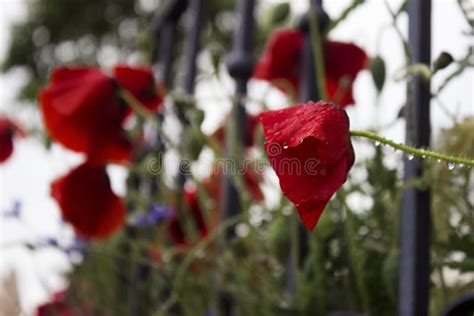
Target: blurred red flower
point(191, 203)
point(309, 148)
point(57, 306)
point(281, 62)
point(8, 130)
point(88, 203)
point(82, 111)
point(251, 177)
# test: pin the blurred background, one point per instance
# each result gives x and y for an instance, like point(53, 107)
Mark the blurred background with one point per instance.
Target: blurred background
point(36, 35)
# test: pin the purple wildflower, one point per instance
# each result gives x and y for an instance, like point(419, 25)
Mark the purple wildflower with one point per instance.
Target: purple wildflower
point(14, 212)
point(155, 214)
point(47, 242)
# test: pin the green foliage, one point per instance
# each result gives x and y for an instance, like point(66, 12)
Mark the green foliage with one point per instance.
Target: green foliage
point(62, 32)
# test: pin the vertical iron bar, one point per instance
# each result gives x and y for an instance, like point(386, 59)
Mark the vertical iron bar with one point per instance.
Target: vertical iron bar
point(416, 202)
point(166, 52)
point(240, 65)
point(164, 28)
point(192, 46)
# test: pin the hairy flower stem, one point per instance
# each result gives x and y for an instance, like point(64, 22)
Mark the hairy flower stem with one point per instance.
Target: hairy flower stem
point(423, 153)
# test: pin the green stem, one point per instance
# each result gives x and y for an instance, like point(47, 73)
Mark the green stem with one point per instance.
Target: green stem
point(316, 43)
point(189, 258)
point(423, 153)
point(139, 108)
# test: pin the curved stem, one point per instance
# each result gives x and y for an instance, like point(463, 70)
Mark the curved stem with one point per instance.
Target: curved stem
point(423, 153)
point(138, 107)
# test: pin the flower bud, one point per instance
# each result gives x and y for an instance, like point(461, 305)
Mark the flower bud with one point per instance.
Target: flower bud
point(444, 60)
point(377, 69)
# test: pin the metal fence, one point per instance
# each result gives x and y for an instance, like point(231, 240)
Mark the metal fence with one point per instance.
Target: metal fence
point(415, 266)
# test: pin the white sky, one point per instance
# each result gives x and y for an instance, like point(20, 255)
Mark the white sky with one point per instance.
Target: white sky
point(26, 176)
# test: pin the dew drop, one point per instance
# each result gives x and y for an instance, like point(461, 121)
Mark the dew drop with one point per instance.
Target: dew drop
point(377, 143)
point(423, 156)
point(439, 161)
point(410, 156)
point(461, 166)
point(285, 146)
point(451, 166)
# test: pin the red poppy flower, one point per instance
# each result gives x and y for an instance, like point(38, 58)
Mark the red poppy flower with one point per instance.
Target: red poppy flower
point(309, 148)
point(87, 202)
point(140, 82)
point(282, 56)
point(8, 130)
point(82, 111)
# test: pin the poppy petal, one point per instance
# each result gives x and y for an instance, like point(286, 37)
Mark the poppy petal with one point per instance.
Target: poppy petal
point(87, 202)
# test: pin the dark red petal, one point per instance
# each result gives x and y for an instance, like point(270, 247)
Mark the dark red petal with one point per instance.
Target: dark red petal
point(6, 139)
point(192, 201)
point(87, 202)
point(140, 82)
point(6, 147)
point(175, 231)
